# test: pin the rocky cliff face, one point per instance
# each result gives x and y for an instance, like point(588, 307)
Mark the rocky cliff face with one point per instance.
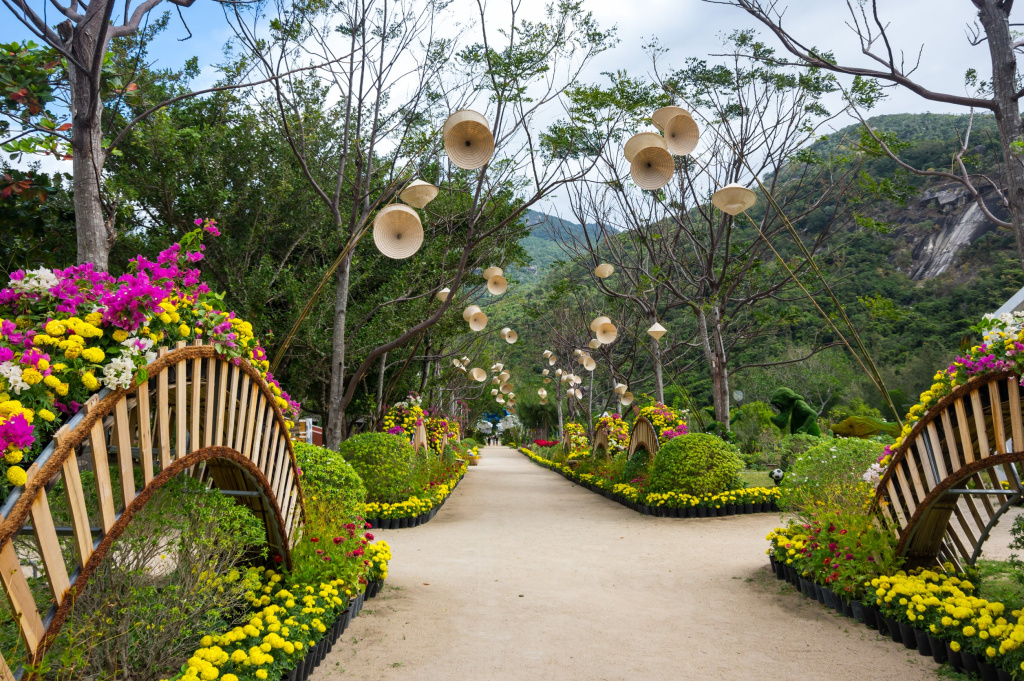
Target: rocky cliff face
point(943, 222)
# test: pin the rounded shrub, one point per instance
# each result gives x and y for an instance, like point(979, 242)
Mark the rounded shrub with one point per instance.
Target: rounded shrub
point(383, 461)
point(831, 473)
point(326, 474)
point(696, 463)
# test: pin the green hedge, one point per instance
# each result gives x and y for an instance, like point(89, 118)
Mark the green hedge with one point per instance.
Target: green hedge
point(696, 463)
point(383, 461)
point(326, 473)
point(831, 472)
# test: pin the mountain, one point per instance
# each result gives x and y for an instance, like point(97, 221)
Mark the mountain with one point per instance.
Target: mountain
point(546, 231)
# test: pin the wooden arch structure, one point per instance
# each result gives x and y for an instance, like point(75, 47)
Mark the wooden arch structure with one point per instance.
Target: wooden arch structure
point(600, 448)
point(642, 437)
point(956, 473)
point(196, 413)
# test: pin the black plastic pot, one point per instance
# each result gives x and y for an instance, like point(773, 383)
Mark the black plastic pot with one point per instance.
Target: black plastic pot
point(713, 512)
point(988, 670)
point(748, 508)
point(830, 599)
point(924, 646)
point(1003, 675)
point(819, 593)
point(702, 512)
point(766, 506)
point(857, 610)
point(730, 509)
point(907, 634)
point(954, 659)
point(970, 662)
point(846, 609)
point(805, 587)
point(870, 616)
point(938, 647)
point(894, 629)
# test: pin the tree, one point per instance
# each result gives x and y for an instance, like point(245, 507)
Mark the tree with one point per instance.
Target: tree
point(1000, 94)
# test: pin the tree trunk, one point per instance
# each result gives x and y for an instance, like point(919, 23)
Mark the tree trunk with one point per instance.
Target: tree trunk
point(558, 402)
point(94, 239)
point(335, 431)
point(714, 355)
point(995, 20)
point(659, 383)
point(380, 387)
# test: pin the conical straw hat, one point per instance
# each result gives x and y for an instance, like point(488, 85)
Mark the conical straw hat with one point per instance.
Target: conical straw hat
point(494, 391)
point(397, 231)
point(579, 394)
point(589, 364)
point(544, 373)
point(511, 395)
point(511, 337)
point(558, 372)
point(604, 270)
point(733, 199)
point(506, 388)
point(577, 379)
point(640, 141)
point(504, 331)
point(542, 392)
point(547, 380)
point(496, 381)
point(468, 140)
point(681, 131)
point(577, 352)
point(465, 361)
point(456, 362)
point(492, 272)
point(418, 193)
point(498, 366)
point(478, 322)
point(607, 333)
point(594, 344)
point(543, 400)
point(547, 353)
point(626, 399)
point(442, 295)
point(598, 321)
point(462, 368)
point(620, 388)
point(478, 374)
point(504, 376)
point(497, 285)
point(656, 331)
point(470, 311)
point(499, 399)
point(652, 168)
point(552, 359)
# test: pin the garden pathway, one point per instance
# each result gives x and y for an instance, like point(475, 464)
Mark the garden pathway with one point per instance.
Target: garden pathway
point(524, 575)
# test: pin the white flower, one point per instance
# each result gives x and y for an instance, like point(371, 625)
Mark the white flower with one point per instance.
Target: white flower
point(119, 372)
point(36, 281)
point(873, 474)
point(12, 373)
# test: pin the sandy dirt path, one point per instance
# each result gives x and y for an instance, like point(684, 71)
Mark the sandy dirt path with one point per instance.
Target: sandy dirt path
point(524, 575)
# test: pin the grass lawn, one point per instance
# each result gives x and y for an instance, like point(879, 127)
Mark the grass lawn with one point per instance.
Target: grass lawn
point(757, 479)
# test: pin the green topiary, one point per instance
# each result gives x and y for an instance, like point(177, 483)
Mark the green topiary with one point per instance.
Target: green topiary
point(325, 473)
point(831, 474)
point(794, 413)
point(696, 463)
point(383, 461)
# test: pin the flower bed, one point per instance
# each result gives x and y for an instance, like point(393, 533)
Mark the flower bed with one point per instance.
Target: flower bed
point(667, 422)
point(415, 510)
point(671, 504)
point(618, 433)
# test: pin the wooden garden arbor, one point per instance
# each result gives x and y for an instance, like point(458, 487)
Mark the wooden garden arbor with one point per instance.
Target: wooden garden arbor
point(197, 413)
point(956, 473)
point(642, 438)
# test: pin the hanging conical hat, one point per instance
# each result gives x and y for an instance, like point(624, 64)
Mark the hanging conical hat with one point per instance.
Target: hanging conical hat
point(504, 376)
point(418, 193)
point(496, 381)
point(498, 366)
point(456, 362)
point(497, 285)
point(552, 359)
point(577, 352)
point(442, 295)
point(478, 374)
point(604, 270)
point(506, 388)
point(656, 331)
point(397, 231)
point(544, 373)
point(478, 322)
point(578, 393)
point(468, 140)
point(547, 353)
point(620, 388)
point(558, 372)
point(499, 399)
point(626, 399)
point(547, 380)
point(652, 168)
point(640, 141)
point(462, 368)
point(598, 321)
point(681, 131)
point(607, 333)
point(589, 364)
point(594, 344)
point(465, 360)
point(542, 392)
point(494, 391)
point(511, 337)
point(470, 311)
point(492, 272)
point(576, 379)
point(543, 400)
point(733, 199)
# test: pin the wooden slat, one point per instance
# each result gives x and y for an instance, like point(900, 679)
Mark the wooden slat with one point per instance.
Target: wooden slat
point(163, 416)
point(123, 437)
point(954, 454)
point(267, 466)
point(101, 469)
point(1016, 416)
point(926, 464)
point(897, 506)
point(966, 446)
point(5, 670)
point(223, 395)
point(905, 487)
point(75, 496)
point(268, 422)
point(973, 508)
point(940, 460)
point(232, 407)
point(919, 490)
point(195, 443)
point(966, 526)
point(952, 535)
point(250, 424)
point(49, 547)
point(242, 415)
point(261, 429)
point(998, 429)
point(145, 433)
point(20, 596)
point(211, 398)
point(181, 406)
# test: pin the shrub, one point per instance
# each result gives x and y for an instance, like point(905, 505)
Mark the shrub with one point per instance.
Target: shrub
point(469, 442)
point(696, 463)
point(792, 446)
point(326, 474)
point(384, 463)
point(635, 469)
point(830, 473)
point(752, 427)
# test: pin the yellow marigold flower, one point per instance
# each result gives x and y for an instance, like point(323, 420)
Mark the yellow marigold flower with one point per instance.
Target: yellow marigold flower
point(14, 456)
point(46, 414)
point(90, 382)
point(120, 335)
point(16, 476)
point(184, 330)
point(94, 355)
point(94, 318)
point(55, 328)
point(62, 389)
point(261, 673)
point(52, 381)
point(31, 376)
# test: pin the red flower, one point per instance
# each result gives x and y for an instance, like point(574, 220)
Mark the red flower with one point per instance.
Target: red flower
point(278, 559)
point(314, 539)
point(369, 536)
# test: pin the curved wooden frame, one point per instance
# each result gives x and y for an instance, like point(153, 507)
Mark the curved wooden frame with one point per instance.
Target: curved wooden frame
point(600, 442)
point(642, 436)
point(224, 428)
point(938, 491)
point(419, 438)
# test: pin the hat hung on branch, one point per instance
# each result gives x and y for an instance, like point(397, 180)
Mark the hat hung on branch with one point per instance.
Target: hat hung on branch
point(497, 285)
point(650, 164)
point(733, 199)
point(681, 131)
point(493, 272)
point(506, 388)
point(510, 336)
point(594, 344)
point(626, 399)
point(478, 374)
point(442, 295)
point(397, 231)
point(607, 333)
point(620, 388)
point(545, 372)
point(598, 321)
point(456, 362)
point(656, 331)
point(547, 380)
point(552, 359)
point(418, 193)
point(468, 140)
point(478, 322)
point(496, 381)
point(603, 271)
point(504, 376)
point(547, 353)
point(470, 311)
point(542, 392)
point(589, 364)
point(494, 391)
